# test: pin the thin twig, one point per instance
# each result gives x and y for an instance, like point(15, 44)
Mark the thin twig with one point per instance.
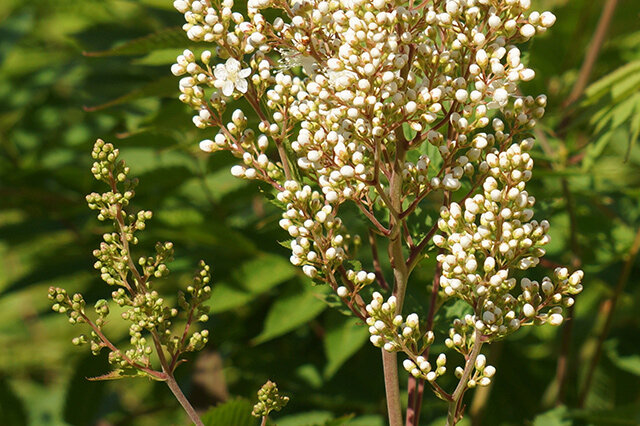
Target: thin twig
point(481, 394)
point(377, 268)
point(592, 53)
point(415, 401)
point(458, 393)
point(380, 227)
point(414, 256)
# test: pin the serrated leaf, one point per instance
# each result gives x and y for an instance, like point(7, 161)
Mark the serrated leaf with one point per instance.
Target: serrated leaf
point(286, 243)
point(354, 264)
point(166, 38)
point(236, 412)
point(290, 311)
point(344, 337)
point(119, 374)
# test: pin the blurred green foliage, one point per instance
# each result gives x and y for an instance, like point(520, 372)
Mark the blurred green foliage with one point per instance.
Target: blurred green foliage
point(75, 70)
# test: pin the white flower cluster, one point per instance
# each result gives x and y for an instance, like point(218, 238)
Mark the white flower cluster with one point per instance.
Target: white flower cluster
point(482, 374)
point(395, 333)
point(492, 234)
point(379, 104)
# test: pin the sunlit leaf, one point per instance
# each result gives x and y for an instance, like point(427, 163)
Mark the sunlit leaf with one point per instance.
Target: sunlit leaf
point(236, 412)
point(290, 311)
point(344, 336)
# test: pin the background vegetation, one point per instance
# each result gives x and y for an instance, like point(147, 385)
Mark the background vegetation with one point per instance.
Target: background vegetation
point(75, 70)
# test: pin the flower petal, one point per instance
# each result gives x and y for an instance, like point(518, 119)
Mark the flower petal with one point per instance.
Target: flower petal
point(227, 89)
point(245, 73)
point(220, 72)
point(232, 65)
point(242, 85)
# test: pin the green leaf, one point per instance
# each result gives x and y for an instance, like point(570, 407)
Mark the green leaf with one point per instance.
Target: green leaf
point(312, 418)
point(340, 421)
point(629, 363)
point(159, 57)
point(129, 373)
point(166, 38)
point(253, 278)
point(83, 397)
point(556, 417)
point(344, 336)
point(290, 311)
point(264, 272)
point(620, 415)
point(225, 297)
point(163, 87)
point(11, 409)
point(635, 131)
point(600, 87)
point(236, 412)
point(333, 301)
point(370, 420)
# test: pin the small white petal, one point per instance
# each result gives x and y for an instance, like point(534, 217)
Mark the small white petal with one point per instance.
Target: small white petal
point(227, 89)
point(242, 86)
point(220, 72)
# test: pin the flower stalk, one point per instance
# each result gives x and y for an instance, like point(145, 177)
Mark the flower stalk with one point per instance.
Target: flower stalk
point(398, 110)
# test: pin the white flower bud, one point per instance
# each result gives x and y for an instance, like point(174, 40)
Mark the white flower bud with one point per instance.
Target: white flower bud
point(528, 30)
point(481, 361)
point(208, 145)
point(413, 320)
point(547, 19)
point(408, 365)
point(528, 310)
point(555, 319)
point(237, 171)
point(310, 271)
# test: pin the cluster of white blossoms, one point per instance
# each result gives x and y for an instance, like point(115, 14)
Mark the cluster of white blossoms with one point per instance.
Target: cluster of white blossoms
point(388, 105)
point(394, 333)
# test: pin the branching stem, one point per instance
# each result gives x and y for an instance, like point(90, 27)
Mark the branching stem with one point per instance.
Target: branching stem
point(455, 404)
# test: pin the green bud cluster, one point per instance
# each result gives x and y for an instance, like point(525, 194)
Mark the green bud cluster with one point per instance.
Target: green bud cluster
point(73, 306)
point(269, 399)
point(151, 317)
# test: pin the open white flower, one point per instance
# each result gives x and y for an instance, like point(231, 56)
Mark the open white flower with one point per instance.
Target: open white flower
point(230, 76)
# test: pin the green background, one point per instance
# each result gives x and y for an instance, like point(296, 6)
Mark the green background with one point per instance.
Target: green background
point(72, 71)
